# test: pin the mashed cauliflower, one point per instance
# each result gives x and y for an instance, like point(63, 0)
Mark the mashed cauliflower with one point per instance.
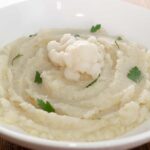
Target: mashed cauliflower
point(64, 87)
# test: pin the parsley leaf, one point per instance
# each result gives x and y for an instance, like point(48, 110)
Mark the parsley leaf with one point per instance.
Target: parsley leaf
point(95, 28)
point(38, 78)
point(32, 35)
point(16, 57)
point(117, 44)
point(76, 35)
point(45, 106)
point(135, 74)
point(119, 38)
point(93, 82)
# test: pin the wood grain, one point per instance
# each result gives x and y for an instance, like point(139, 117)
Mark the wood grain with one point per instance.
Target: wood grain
point(144, 3)
point(4, 145)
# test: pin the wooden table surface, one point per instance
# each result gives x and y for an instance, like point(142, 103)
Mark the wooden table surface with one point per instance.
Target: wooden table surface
point(5, 145)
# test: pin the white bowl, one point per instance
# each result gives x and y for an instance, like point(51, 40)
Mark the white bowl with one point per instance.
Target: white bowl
point(117, 17)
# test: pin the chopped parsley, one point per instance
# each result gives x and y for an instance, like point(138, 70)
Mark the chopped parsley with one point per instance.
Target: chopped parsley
point(32, 35)
point(16, 57)
point(95, 28)
point(93, 82)
point(45, 106)
point(117, 44)
point(38, 78)
point(119, 38)
point(135, 74)
point(76, 35)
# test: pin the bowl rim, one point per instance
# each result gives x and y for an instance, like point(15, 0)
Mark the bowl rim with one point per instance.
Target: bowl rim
point(138, 139)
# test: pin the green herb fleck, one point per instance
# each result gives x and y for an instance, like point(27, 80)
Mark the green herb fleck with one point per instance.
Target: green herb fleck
point(38, 78)
point(95, 28)
point(135, 74)
point(119, 38)
point(45, 106)
point(32, 35)
point(16, 57)
point(76, 35)
point(117, 44)
point(93, 82)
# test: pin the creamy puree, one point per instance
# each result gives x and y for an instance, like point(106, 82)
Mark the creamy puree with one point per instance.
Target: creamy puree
point(97, 85)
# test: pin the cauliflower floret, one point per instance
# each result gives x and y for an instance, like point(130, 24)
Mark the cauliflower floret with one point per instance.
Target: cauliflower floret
point(76, 56)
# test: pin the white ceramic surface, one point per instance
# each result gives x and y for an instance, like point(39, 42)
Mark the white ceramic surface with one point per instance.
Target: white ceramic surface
point(117, 17)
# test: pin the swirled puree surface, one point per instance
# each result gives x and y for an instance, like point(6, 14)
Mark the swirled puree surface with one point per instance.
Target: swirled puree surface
point(74, 86)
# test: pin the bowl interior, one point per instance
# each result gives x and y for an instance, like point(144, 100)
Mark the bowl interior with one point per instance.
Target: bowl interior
point(117, 17)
